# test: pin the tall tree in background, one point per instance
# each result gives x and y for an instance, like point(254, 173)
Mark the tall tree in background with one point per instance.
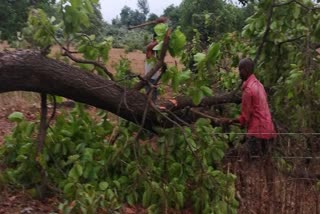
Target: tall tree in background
point(211, 17)
point(125, 15)
point(14, 13)
point(153, 17)
point(98, 26)
point(173, 13)
point(131, 17)
point(143, 5)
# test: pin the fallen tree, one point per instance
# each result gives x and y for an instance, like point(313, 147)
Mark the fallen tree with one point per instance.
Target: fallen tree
point(29, 70)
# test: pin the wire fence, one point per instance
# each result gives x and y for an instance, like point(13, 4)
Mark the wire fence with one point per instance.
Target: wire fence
point(288, 181)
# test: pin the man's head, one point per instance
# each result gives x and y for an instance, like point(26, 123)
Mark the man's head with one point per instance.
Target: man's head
point(246, 67)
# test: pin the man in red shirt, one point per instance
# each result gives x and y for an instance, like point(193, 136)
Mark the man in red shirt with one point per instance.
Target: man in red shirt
point(255, 114)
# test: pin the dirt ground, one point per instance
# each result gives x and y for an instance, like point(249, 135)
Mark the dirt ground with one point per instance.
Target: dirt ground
point(136, 58)
point(23, 203)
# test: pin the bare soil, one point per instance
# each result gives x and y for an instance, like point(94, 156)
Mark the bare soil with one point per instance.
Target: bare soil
point(136, 58)
point(23, 203)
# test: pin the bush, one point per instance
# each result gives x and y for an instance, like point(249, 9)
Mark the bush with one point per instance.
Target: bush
point(95, 174)
point(129, 39)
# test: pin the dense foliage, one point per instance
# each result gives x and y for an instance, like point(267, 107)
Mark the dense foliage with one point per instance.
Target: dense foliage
point(177, 171)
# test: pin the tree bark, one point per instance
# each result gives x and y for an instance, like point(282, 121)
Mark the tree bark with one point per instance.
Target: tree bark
point(28, 70)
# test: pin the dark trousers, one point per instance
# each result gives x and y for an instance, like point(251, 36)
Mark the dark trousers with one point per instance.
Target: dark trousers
point(259, 147)
point(155, 90)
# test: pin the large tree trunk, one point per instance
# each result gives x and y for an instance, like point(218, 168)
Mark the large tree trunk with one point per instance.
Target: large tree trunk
point(28, 70)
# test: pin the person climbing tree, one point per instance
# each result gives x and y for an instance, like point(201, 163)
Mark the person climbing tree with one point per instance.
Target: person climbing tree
point(151, 60)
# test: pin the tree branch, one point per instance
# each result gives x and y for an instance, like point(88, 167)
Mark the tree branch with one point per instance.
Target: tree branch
point(43, 123)
point(27, 70)
point(292, 40)
point(297, 2)
point(183, 101)
point(82, 61)
point(265, 35)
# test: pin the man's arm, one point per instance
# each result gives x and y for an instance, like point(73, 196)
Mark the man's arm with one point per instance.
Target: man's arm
point(228, 121)
point(161, 19)
point(246, 111)
point(149, 49)
point(151, 45)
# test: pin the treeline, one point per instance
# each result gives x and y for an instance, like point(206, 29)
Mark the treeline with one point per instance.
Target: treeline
point(14, 15)
point(210, 18)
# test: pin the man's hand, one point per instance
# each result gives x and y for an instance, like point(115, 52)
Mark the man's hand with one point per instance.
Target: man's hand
point(162, 19)
point(228, 121)
point(173, 101)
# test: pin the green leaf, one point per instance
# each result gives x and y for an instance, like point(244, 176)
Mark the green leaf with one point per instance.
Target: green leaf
point(117, 184)
point(160, 30)
point(76, 171)
point(146, 198)
point(317, 32)
point(165, 77)
point(199, 57)
point(67, 188)
point(30, 129)
point(295, 74)
point(206, 90)
point(273, 25)
point(66, 133)
point(110, 193)
point(296, 11)
point(88, 6)
point(180, 198)
point(290, 94)
point(185, 75)
point(197, 96)
point(177, 43)
point(16, 117)
point(202, 122)
point(192, 144)
point(75, 3)
point(88, 154)
point(123, 180)
point(21, 158)
point(153, 208)
point(103, 186)
point(79, 169)
point(175, 170)
point(158, 47)
point(130, 199)
point(59, 99)
point(73, 158)
point(213, 53)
